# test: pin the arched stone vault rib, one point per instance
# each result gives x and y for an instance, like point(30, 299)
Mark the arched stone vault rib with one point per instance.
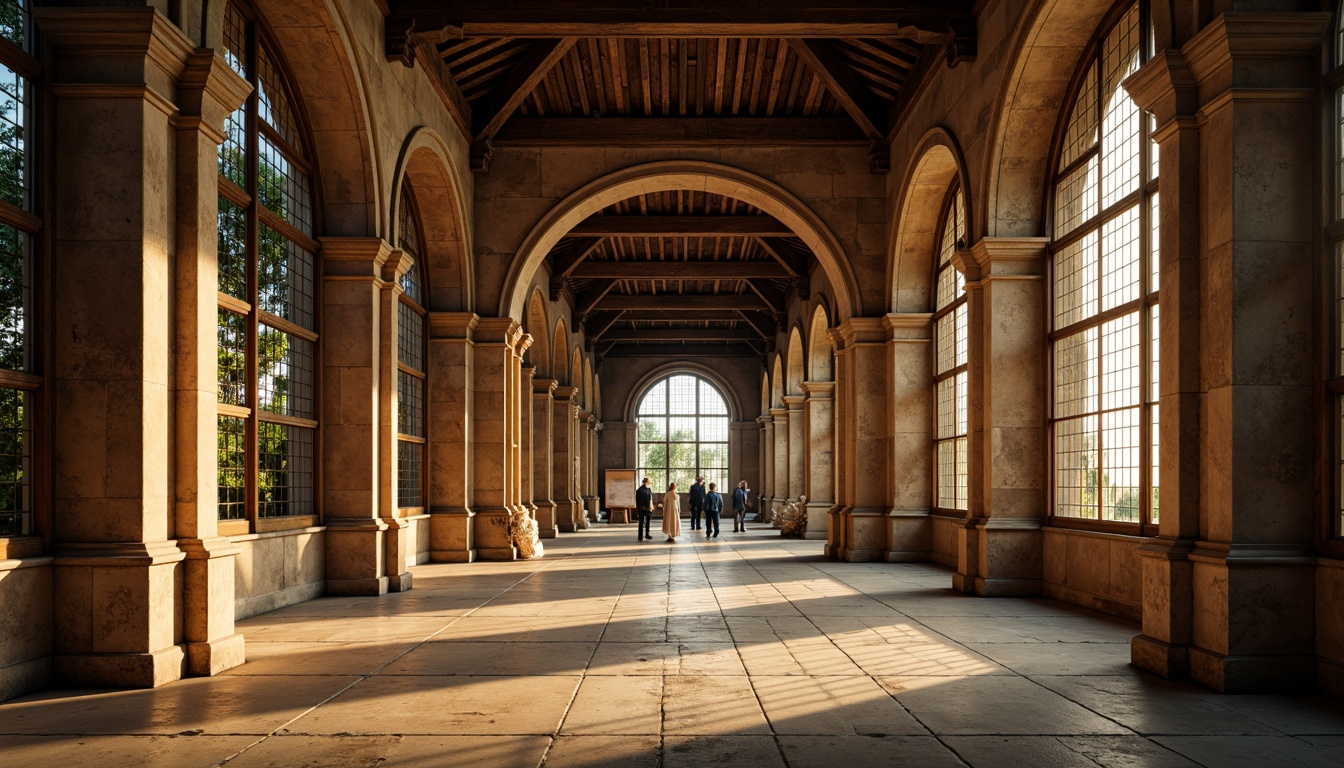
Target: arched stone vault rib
point(688, 175)
point(426, 162)
point(914, 236)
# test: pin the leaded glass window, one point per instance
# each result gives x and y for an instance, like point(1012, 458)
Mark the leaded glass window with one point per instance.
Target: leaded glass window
point(683, 432)
point(268, 341)
point(20, 381)
point(411, 443)
point(949, 361)
point(1104, 293)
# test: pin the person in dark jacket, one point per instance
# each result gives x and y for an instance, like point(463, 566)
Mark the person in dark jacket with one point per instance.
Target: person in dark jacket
point(644, 508)
point(713, 508)
point(740, 495)
point(697, 501)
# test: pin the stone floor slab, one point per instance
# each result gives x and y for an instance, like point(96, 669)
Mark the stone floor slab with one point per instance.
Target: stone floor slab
point(718, 751)
point(507, 659)
point(875, 751)
point(342, 659)
point(711, 706)
point(840, 706)
point(616, 705)
point(1065, 752)
point(103, 751)
point(1151, 705)
point(1253, 751)
point(993, 704)
point(605, 752)
point(392, 751)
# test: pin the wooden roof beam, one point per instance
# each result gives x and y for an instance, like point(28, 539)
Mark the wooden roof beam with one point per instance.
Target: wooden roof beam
point(923, 21)
point(677, 226)
point(786, 257)
point(504, 98)
point(680, 270)
point(679, 132)
point(732, 349)
point(674, 302)
point(565, 261)
point(651, 335)
point(684, 316)
point(758, 323)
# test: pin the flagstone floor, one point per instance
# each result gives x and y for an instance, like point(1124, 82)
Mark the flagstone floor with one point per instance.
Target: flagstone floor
point(748, 651)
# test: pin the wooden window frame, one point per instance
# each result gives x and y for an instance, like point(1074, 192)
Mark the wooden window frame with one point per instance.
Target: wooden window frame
point(947, 209)
point(699, 414)
point(412, 209)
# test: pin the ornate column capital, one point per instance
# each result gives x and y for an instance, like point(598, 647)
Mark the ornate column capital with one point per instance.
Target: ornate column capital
point(452, 325)
point(819, 390)
point(359, 258)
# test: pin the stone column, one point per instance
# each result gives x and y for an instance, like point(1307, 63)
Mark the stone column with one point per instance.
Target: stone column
point(492, 436)
point(835, 529)
point(1247, 231)
point(128, 263)
point(208, 92)
point(397, 537)
point(1000, 544)
point(780, 492)
point(587, 423)
point(909, 363)
point(527, 441)
point(765, 495)
point(819, 437)
point(798, 447)
point(451, 394)
point(518, 470)
point(563, 493)
point(594, 501)
point(351, 371)
point(865, 472)
point(543, 446)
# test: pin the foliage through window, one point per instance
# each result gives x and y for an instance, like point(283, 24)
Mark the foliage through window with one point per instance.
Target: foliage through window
point(268, 296)
point(683, 432)
point(1104, 293)
point(18, 230)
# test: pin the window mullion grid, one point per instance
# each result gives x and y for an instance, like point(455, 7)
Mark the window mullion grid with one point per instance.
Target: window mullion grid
point(252, 346)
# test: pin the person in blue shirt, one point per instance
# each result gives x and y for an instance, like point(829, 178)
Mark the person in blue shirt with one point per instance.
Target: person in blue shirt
point(713, 508)
point(740, 494)
point(697, 501)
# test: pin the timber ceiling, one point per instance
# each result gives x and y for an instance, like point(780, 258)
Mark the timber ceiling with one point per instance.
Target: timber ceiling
point(677, 270)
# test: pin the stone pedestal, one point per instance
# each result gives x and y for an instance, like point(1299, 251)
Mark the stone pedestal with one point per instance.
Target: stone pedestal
point(819, 439)
point(543, 442)
point(494, 435)
point(564, 491)
point(798, 446)
point(765, 498)
point(779, 493)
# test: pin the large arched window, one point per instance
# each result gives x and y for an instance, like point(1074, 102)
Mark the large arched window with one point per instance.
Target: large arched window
point(20, 365)
point(410, 363)
point(267, 293)
point(683, 432)
point(949, 361)
point(1104, 278)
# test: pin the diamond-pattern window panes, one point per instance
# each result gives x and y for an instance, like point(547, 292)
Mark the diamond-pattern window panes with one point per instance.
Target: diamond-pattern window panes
point(268, 287)
point(1104, 279)
point(682, 432)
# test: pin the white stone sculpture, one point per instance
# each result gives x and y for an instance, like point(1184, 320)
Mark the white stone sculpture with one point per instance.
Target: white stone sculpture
point(792, 519)
point(523, 534)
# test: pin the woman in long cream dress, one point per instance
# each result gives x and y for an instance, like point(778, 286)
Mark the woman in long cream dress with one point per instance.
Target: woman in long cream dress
point(672, 514)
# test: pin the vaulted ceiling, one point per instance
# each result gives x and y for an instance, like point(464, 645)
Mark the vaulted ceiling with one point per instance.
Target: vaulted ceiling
point(679, 271)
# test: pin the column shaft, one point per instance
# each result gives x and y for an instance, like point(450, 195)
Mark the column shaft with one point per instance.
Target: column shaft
point(910, 362)
point(451, 393)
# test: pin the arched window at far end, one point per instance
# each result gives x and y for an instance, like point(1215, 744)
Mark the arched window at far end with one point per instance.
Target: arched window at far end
point(683, 432)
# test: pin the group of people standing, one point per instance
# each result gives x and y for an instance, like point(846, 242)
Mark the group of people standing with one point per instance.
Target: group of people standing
point(703, 501)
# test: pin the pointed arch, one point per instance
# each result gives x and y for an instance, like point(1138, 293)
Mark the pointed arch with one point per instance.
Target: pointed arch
point(576, 372)
point(765, 393)
point(590, 403)
point(682, 175)
point(795, 372)
point(537, 324)
point(821, 362)
point(560, 354)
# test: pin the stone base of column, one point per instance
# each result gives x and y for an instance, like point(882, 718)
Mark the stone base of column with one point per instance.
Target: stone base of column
point(1152, 655)
point(491, 529)
point(398, 543)
point(122, 670)
point(1329, 677)
point(25, 677)
point(451, 536)
point(594, 507)
point(865, 535)
point(1244, 641)
point(835, 532)
point(1010, 552)
point(818, 520)
point(909, 536)
point(546, 527)
point(212, 644)
point(215, 656)
point(355, 556)
point(968, 555)
point(566, 519)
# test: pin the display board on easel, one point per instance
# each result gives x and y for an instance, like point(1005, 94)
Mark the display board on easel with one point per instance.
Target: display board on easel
point(621, 485)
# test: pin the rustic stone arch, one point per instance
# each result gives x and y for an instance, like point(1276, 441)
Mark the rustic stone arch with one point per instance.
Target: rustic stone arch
point(560, 354)
point(686, 175)
point(796, 371)
point(641, 387)
point(538, 324)
point(821, 361)
point(777, 383)
point(426, 163)
point(916, 226)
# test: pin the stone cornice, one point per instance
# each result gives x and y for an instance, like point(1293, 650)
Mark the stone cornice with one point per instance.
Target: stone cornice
point(544, 386)
point(452, 325)
point(361, 257)
point(795, 402)
point(1006, 257)
point(1165, 87)
point(909, 326)
point(209, 88)
point(565, 394)
point(1256, 50)
point(779, 413)
point(819, 389)
point(497, 330)
point(859, 330)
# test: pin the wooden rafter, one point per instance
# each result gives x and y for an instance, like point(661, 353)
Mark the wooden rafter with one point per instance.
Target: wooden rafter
point(541, 56)
point(680, 334)
point(677, 226)
point(758, 323)
point(678, 303)
point(679, 270)
point(784, 256)
point(566, 262)
point(859, 102)
point(678, 131)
